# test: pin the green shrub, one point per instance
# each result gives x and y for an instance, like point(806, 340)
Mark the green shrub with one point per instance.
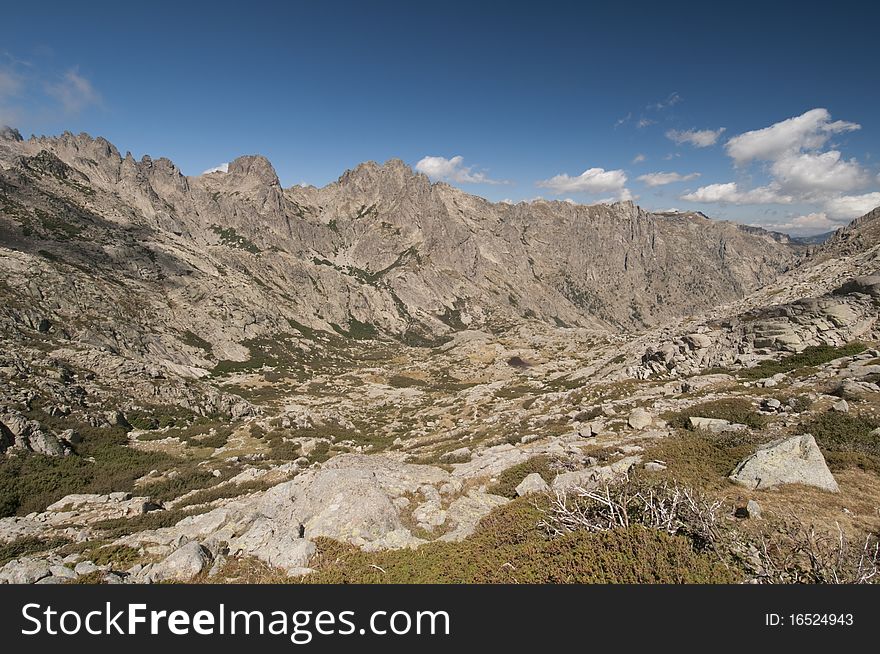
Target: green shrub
point(815, 355)
point(28, 545)
point(736, 410)
point(846, 440)
point(508, 547)
point(30, 482)
point(512, 477)
point(118, 556)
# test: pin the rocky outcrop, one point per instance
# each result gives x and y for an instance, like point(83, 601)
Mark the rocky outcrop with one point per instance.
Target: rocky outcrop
point(369, 501)
point(19, 432)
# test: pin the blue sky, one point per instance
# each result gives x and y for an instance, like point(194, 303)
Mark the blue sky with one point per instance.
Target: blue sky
point(511, 101)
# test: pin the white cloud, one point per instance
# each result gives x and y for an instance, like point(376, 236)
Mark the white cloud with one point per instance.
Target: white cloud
point(10, 84)
point(659, 179)
point(639, 158)
point(699, 138)
point(809, 131)
point(74, 92)
point(730, 193)
point(621, 121)
point(10, 88)
point(800, 169)
point(671, 100)
point(812, 172)
point(592, 180)
point(222, 168)
point(847, 207)
point(453, 170)
point(811, 223)
point(645, 122)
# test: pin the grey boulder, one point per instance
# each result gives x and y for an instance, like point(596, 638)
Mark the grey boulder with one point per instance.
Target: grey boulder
point(795, 460)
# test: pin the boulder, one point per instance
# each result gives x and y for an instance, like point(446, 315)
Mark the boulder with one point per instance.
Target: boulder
point(715, 425)
point(24, 571)
point(640, 419)
point(533, 483)
point(593, 476)
point(85, 567)
point(62, 571)
point(460, 455)
point(182, 564)
point(795, 460)
point(698, 341)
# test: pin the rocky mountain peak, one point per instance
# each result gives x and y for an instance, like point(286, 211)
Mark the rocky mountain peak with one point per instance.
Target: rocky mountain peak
point(393, 172)
point(255, 168)
point(9, 134)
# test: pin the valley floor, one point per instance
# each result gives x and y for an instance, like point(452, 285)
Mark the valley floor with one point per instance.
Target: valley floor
point(535, 455)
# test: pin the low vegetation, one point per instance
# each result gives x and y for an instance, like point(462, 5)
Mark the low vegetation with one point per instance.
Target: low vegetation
point(847, 440)
point(512, 477)
point(736, 410)
point(509, 547)
point(30, 482)
point(28, 545)
point(814, 355)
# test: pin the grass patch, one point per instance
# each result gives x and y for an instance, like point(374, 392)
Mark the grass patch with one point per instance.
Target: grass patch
point(815, 355)
point(196, 341)
point(30, 482)
point(230, 238)
point(226, 491)
point(28, 545)
point(700, 459)
point(403, 381)
point(736, 410)
point(846, 440)
point(509, 547)
point(119, 527)
point(512, 477)
point(118, 556)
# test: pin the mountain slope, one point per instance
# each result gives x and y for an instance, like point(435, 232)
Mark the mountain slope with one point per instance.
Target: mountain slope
point(131, 254)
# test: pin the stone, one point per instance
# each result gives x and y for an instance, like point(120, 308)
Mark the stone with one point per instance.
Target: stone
point(62, 571)
point(841, 406)
point(460, 455)
point(795, 460)
point(533, 483)
point(698, 341)
point(24, 571)
point(771, 404)
point(715, 425)
point(655, 466)
point(593, 476)
point(181, 565)
point(85, 567)
point(753, 509)
point(639, 419)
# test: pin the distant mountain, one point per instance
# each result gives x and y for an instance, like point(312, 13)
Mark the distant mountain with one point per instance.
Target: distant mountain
point(815, 239)
point(231, 256)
